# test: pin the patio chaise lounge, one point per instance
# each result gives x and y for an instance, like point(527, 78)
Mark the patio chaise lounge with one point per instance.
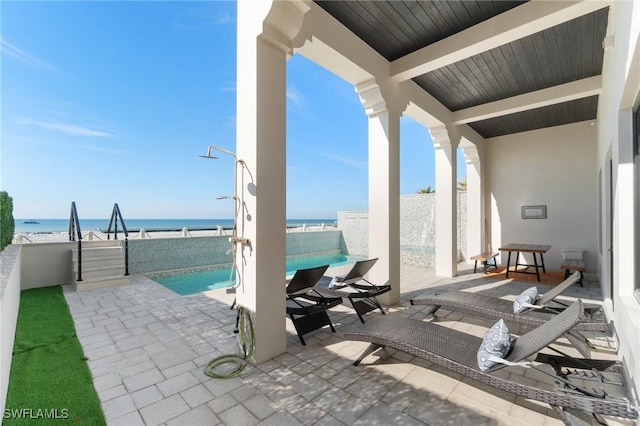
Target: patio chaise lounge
point(494, 307)
point(461, 353)
point(305, 306)
point(362, 296)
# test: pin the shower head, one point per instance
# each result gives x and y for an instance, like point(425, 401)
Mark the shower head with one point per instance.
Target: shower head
point(227, 197)
point(209, 156)
point(217, 148)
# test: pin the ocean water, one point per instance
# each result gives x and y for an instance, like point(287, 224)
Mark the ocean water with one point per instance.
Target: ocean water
point(134, 225)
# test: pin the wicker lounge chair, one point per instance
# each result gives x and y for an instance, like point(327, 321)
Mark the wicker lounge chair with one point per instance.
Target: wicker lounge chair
point(495, 307)
point(362, 296)
point(305, 306)
point(457, 351)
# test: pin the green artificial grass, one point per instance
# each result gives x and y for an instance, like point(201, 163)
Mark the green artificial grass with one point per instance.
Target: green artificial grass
point(50, 381)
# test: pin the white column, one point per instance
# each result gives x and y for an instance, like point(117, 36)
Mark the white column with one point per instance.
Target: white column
point(384, 189)
point(476, 243)
point(262, 51)
point(446, 202)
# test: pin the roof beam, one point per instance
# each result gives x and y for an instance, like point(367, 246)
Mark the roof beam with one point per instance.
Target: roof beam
point(514, 24)
point(423, 107)
point(540, 98)
point(334, 47)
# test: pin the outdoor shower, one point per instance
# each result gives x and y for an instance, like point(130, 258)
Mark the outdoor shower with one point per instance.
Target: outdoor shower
point(244, 326)
point(234, 239)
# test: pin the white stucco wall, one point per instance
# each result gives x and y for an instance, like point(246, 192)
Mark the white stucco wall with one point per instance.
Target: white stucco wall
point(46, 264)
point(555, 167)
point(621, 84)
point(9, 305)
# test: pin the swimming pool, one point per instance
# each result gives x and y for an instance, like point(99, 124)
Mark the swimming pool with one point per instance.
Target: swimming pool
point(196, 282)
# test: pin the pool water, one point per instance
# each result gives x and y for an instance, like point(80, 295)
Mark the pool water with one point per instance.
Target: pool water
point(190, 283)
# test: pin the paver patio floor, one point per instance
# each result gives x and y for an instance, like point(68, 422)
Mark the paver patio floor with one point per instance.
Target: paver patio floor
point(147, 347)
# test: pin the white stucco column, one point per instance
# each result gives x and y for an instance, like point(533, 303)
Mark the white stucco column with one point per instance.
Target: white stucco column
point(446, 144)
point(475, 207)
point(264, 32)
point(384, 189)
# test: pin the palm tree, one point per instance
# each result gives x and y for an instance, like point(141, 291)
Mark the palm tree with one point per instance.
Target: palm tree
point(427, 190)
point(462, 186)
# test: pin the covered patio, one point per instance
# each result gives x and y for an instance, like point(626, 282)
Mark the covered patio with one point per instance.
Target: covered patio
point(541, 96)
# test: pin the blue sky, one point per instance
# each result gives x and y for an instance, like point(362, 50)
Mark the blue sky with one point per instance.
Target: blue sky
point(105, 102)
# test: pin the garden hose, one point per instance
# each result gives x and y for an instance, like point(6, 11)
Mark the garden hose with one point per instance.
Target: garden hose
point(246, 343)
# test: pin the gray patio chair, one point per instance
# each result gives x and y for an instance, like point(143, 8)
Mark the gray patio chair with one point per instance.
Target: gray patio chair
point(495, 307)
point(354, 287)
point(305, 306)
point(457, 352)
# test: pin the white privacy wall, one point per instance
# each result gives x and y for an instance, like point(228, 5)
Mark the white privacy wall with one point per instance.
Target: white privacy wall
point(555, 167)
point(10, 259)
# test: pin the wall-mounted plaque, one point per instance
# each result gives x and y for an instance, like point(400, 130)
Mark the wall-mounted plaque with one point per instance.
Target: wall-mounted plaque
point(534, 212)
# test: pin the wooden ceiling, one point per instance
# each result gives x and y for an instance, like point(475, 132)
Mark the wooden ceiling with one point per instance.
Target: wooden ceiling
point(564, 53)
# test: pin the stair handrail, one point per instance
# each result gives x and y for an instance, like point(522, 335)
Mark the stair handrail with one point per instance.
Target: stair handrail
point(115, 215)
point(75, 232)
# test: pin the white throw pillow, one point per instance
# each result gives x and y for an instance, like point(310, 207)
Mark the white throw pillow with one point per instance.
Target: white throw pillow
point(528, 296)
point(497, 342)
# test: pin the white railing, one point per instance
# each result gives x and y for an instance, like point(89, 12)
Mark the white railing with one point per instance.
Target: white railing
point(50, 237)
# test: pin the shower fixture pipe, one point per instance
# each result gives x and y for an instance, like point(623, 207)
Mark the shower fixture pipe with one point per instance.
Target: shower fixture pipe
point(235, 176)
point(217, 148)
point(234, 239)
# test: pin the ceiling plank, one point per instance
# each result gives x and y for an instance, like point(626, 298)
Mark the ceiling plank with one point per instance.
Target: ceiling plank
point(549, 116)
point(514, 24)
point(552, 95)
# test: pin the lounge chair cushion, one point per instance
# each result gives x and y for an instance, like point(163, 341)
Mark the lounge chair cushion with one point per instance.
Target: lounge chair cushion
point(496, 342)
point(527, 297)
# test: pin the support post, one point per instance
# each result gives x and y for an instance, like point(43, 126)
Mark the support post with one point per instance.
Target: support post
point(384, 188)
point(264, 33)
point(446, 144)
point(476, 241)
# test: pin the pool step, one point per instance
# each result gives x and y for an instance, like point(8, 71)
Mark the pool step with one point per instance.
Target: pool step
point(103, 265)
point(101, 271)
point(101, 282)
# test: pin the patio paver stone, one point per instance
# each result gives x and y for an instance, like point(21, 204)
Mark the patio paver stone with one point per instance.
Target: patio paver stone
point(147, 348)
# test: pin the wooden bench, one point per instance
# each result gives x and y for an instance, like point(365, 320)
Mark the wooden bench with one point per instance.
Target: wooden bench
point(573, 265)
point(484, 258)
